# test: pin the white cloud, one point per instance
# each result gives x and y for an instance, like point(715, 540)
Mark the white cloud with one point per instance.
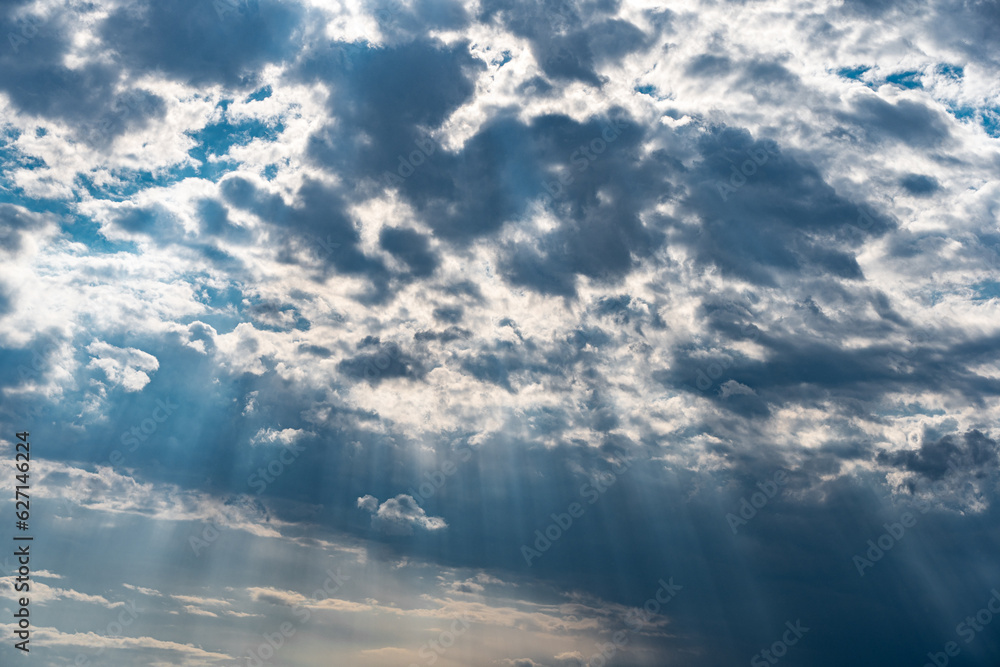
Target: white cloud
point(127, 367)
point(89, 641)
point(285, 436)
point(44, 594)
point(109, 491)
point(399, 515)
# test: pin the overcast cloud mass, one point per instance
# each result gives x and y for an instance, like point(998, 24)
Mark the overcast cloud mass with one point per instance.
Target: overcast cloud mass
point(531, 334)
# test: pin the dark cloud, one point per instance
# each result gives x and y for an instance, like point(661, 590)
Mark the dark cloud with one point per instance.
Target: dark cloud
point(527, 267)
point(33, 73)
point(768, 81)
point(567, 57)
point(132, 110)
point(315, 350)
point(448, 314)
point(967, 26)
point(614, 38)
point(498, 172)
point(27, 364)
point(273, 315)
point(215, 222)
point(507, 165)
point(388, 99)
point(709, 65)
point(403, 23)
point(764, 212)
point(908, 244)
point(446, 336)
point(910, 122)
point(617, 307)
point(970, 453)
point(411, 247)
point(801, 367)
point(227, 41)
point(491, 368)
point(6, 303)
point(880, 7)
point(566, 42)
point(378, 363)
point(596, 184)
point(919, 185)
point(318, 225)
point(151, 221)
point(15, 222)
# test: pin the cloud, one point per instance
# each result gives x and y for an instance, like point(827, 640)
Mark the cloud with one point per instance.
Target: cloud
point(919, 185)
point(211, 602)
point(285, 436)
point(467, 586)
point(202, 43)
point(198, 611)
point(145, 591)
point(971, 453)
point(90, 641)
point(108, 491)
point(475, 251)
point(909, 121)
point(127, 367)
point(399, 515)
point(44, 594)
point(47, 574)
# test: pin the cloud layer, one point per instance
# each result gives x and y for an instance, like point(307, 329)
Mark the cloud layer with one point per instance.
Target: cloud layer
point(266, 262)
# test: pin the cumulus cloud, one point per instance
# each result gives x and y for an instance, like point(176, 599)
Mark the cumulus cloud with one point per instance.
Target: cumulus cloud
point(399, 515)
point(285, 436)
point(127, 367)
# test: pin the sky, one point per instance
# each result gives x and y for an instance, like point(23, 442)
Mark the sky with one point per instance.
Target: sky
point(502, 333)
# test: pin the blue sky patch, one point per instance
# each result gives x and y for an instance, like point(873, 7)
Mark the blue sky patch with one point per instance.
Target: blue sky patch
point(909, 79)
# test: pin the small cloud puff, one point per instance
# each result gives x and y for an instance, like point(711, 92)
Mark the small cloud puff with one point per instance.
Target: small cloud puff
point(399, 515)
point(127, 367)
point(270, 436)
